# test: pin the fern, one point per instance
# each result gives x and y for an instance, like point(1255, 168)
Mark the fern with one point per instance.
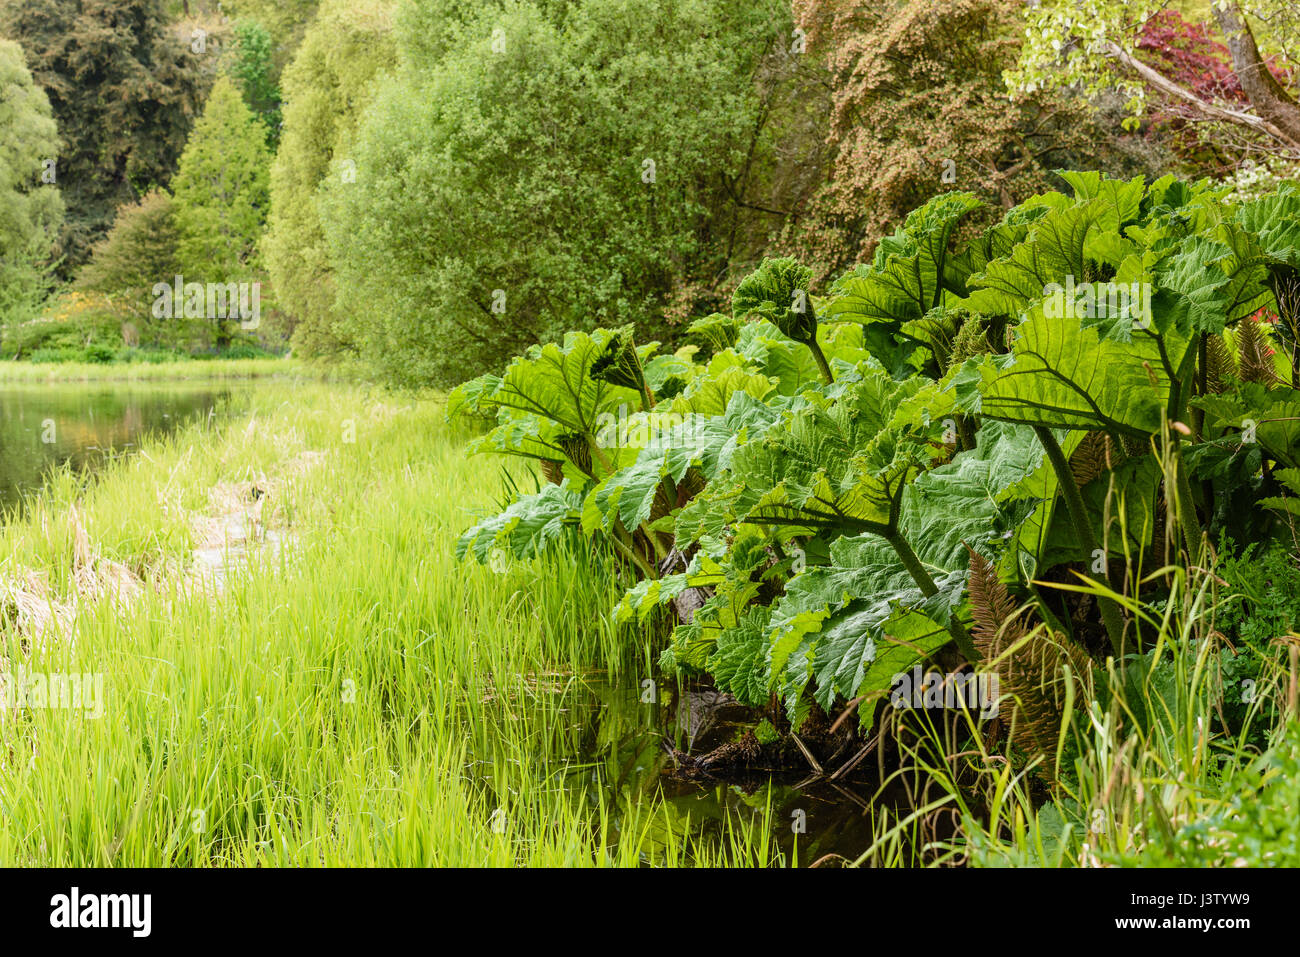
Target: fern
point(1095, 456)
point(1032, 666)
point(1221, 366)
point(1254, 355)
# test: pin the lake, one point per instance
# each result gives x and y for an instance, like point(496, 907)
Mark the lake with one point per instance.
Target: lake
point(86, 425)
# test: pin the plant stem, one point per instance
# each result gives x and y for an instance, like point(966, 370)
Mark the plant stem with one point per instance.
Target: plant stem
point(821, 359)
point(912, 563)
point(1180, 393)
point(629, 552)
point(1110, 615)
point(928, 589)
point(966, 430)
point(1186, 504)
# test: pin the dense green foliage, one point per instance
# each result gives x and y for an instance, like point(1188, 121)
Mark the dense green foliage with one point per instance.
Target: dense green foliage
point(327, 88)
point(254, 70)
point(222, 196)
point(285, 20)
point(1094, 48)
point(1024, 395)
point(124, 89)
point(326, 724)
point(535, 167)
point(139, 251)
point(918, 106)
point(32, 207)
point(826, 367)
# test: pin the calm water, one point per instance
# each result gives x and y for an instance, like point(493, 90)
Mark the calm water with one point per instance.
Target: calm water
point(86, 425)
point(616, 745)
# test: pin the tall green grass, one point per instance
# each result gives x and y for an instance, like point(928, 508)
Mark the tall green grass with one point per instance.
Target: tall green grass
point(357, 697)
point(1150, 772)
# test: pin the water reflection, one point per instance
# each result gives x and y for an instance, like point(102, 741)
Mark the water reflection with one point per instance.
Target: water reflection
point(85, 425)
point(611, 744)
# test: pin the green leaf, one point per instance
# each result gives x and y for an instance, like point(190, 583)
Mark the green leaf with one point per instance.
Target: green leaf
point(526, 435)
point(972, 500)
point(1057, 245)
point(1269, 416)
point(628, 495)
point(554, 382)
point(738, 663)
point(996, 242)
point(852, 625)
point(788, 363)
point(832, 466)
point(1122, 199)
point(905, 279)
point(1274, 222)
point(526, 528)
point(663, 369)
point(711, 394)
point(467, 398)
point(619, 363)
point(1068, 376)
point(648, 594)
point(715, 332)
point(778, 291)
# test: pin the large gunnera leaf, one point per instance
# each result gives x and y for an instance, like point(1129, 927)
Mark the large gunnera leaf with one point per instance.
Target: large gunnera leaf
point(910, 275)
point(850, 626)
point(529, 526)
point(552, 382)
point(906, 277)
point(1067, 375)
point(1058, 245)
point(688, 454)
point(830, 467)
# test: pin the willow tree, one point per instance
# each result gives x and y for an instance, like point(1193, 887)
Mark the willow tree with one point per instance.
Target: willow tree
point(327, 88)
point(533, 167)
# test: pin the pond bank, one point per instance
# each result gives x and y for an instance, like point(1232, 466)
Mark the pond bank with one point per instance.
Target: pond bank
point(349, 695)
point(180, 370)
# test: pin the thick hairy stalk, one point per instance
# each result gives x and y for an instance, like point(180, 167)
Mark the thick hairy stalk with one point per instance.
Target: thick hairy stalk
point(628, 550)
point(1110, 615)
point(1180, 394)
point(821, 360)
point(924, 582)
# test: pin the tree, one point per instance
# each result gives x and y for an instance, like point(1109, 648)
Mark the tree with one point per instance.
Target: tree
point(919, 107)
point(538, 166)
point(286, 20)
point(327, 86)
point(1095, 45)
point(123, 89)
point(139, 252)
point(30, 206)
point(253, 69)
point(222, 194)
